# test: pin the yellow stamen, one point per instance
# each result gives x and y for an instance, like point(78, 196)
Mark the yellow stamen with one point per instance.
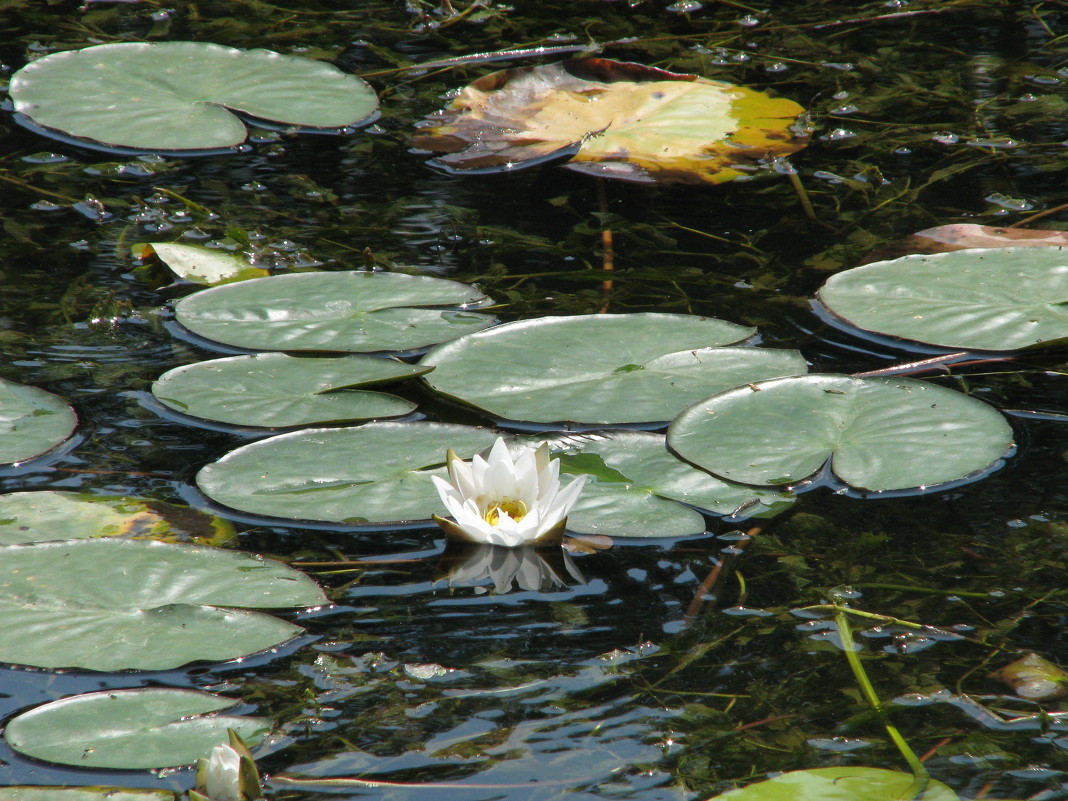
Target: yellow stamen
point(515, 509)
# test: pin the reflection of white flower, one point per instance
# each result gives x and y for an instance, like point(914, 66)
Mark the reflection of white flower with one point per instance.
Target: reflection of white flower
point(528, 567)
point(219, 775)
point(501, 501)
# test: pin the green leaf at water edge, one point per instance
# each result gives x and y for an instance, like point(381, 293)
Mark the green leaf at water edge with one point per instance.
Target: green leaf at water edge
point(374, 474)
point(50, 515)
point(349, 312)
point(841, 784)
point(130, 729)
point(201, 265)
point(879, 433)
point(275, 390)
point(979, 299)
point(32, 422)
point(600, 368)
point(181, 96)
point(110, 604)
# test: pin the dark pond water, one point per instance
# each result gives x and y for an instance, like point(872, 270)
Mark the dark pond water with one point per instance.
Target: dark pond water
point(645, 681)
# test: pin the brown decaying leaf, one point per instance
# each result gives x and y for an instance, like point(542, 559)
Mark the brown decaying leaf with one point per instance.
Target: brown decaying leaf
point(615, 119)
point(960, 236)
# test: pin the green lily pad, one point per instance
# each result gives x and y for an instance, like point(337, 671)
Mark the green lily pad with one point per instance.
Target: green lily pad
point(376, 474)
point(990, 299)
point(200, 265)
point(840, 784)
point(32, 422)
point(637, 488)
point(130, 729)
point(348, 312)
point(51, 515)
point(45, 793)
point(275, 390)
point(600, 368)
point(878, 433)
point(109, 604)
point(183, 96)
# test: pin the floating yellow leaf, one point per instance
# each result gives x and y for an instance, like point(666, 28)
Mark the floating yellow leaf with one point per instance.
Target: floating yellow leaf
point(615, 120)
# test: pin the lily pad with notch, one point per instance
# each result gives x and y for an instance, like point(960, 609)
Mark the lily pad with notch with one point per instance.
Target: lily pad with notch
point(275, 390)
point(32, 422)
point(614, 120)
point(876, 434)
point(345, 312)
point(182, 98)
point(372, 476)
point(985, 299)
point(600, 369)
point(135, 729)
point(637, 488)
point(114, 604)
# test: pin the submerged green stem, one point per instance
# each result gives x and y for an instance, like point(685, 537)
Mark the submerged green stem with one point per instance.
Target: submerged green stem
point(845, 633)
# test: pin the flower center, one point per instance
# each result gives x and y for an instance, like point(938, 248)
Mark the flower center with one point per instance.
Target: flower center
point(515, 509)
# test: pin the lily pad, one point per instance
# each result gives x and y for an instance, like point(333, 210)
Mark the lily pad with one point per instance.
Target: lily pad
point(108, 604)
point(130, 729)
point(32, 422)
point(46, 793)
point(615, 120)
point(375, 475)
point(600, 369)
point(990, 299)
point(349, 312)
point(274, 390)
point(200, 265)
point(841, 784)
point(637, 488)
point(183, 96)
point(51, 515)
point(877, 433)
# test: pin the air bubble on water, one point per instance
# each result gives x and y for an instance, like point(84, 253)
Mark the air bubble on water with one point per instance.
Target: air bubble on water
point(945, 137)
point(158, 227)
point(740, 58)
point(847, 109)
point(996, 593)
point(1017, 523)
point(92, 208)
point(783, 167)
point(196, 234)
point(1000, 143)
point(45, 158)
point(902, 151)
point(842, 66)
point(838, 134)
point(282, 244)
point(829, 177)
point(685, 7)
point(913, 699)
point(776, 66)
point(254, 186)
point(745, 611)
point(45, 205)
point(749, 21)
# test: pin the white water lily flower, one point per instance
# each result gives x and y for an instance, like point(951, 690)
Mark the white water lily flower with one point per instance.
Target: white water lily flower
point(501, 501)
point(219, 774)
